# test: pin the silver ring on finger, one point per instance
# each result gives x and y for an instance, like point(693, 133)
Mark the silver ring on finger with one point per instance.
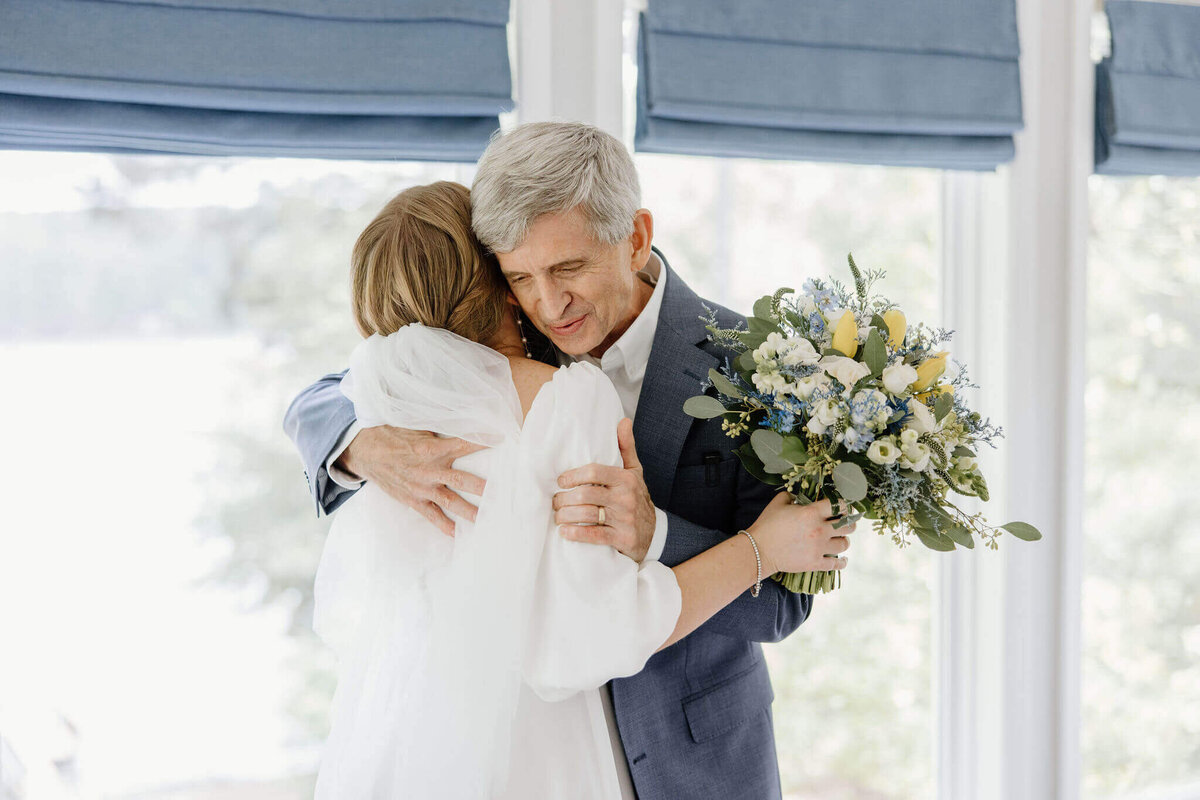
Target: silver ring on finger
point(600, 515)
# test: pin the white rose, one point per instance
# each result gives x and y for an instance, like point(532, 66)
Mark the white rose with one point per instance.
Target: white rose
point(923, 421)
point(816, 426)
point(915, 456)
point(827, 411)
point(810, 383)
point(898, 377)
point(846, 370)
point(883, 451)
point(908, 437)
point(800, 351)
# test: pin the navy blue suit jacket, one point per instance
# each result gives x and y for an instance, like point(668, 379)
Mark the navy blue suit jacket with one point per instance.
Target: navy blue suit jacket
point(696, 721)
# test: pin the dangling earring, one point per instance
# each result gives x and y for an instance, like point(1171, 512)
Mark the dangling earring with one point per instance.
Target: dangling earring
point(524, 341)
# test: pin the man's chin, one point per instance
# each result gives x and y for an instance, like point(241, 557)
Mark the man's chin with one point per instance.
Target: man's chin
point(578, 342)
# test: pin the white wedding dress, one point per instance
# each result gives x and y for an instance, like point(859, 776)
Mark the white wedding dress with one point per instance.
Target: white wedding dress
point(471, 667)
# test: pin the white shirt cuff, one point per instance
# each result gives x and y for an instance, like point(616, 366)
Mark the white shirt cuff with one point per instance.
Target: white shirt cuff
point(660, 536)
point(339, 476)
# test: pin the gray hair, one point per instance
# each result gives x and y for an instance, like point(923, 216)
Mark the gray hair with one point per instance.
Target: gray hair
point(548, 167)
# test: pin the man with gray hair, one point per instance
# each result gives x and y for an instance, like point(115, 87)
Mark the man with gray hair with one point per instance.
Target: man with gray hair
point(559, 205)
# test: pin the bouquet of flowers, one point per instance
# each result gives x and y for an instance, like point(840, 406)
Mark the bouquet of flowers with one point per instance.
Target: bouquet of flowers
point(844, 400)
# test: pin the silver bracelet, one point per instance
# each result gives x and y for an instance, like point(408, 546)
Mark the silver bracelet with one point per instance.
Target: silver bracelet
point(754, 590)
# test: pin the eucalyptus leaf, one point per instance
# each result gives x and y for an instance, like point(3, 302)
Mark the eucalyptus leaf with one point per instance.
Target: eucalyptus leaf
point(850, 481)
point(878, 323)
point(767, 446)
point(724, 385)
point(763, 307)
point(793, 450)
point(751, 339)
point(874, 353)
point(1023, 531)
point(703, 407)
point(963, 451)
point(745, 362)
point(942, 406)
point(745, 454)
point(934, 541)
point(763, 326)
point(959, 535)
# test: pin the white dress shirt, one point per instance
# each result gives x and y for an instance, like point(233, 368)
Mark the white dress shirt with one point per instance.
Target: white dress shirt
point(625, 365)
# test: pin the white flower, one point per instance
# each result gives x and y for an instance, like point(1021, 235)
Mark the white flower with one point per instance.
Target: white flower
point(816, 426)
point(898, 377)
point(769, 382)
point(799, 350)
point(923, 421)
point(965, 463)
point(807, 305)
point(828, 411)
point(883, 451)
point(908, 437)
point(852, 438)
point(846, 370)
point(810, 383)
point(769, 349)
point(915, 456)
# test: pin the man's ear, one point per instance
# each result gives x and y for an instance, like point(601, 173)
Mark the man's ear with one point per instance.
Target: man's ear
point(511, 298)
point(641, 239)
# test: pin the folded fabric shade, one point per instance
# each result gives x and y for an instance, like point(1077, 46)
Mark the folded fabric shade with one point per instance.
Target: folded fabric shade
point(353, 79)
point(907, 82)
point(1148, 91)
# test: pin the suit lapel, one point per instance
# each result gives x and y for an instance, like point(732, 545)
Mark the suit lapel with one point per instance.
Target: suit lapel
point(674, 372)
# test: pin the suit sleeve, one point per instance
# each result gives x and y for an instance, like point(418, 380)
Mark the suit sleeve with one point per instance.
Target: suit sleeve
point(776, 612)
point(315, 421)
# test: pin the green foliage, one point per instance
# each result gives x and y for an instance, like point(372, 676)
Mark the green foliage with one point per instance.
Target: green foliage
point(703, 407)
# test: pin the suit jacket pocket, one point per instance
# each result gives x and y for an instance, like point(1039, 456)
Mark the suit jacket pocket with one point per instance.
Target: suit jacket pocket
point(729, 704)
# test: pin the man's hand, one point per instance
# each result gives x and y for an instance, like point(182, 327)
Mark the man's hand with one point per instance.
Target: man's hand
point(415, 468)
point(621, 491)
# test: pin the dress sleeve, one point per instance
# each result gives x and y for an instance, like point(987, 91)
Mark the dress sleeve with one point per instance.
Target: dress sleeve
point(596, 614)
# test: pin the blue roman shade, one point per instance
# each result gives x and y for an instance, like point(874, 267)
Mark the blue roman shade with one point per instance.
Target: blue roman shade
point(1148, 91)
point(929, 83)
point(372, 79)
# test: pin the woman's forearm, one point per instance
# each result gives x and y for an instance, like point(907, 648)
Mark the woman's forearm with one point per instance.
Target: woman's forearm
point(712, 580)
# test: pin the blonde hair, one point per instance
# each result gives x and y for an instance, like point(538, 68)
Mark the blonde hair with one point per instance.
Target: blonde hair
point(418, 261)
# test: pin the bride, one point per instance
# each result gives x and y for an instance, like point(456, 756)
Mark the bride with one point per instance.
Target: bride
point(471, 667)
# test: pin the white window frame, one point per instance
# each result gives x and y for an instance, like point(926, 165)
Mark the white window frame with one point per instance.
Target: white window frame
point(1007, 624)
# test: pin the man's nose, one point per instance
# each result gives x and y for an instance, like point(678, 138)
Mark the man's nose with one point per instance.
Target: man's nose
point(553, 298)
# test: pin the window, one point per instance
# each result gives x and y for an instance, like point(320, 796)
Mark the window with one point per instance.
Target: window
point(1141, 619)
point(854, 708)
point(159, 547)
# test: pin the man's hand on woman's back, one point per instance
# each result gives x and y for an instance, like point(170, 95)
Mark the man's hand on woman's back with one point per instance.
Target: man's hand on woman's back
point(415, 467)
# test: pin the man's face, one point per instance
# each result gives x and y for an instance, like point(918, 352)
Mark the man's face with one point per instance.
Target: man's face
point(580, 292)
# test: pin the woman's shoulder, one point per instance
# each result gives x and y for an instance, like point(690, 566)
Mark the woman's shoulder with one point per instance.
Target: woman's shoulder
point(529, 376)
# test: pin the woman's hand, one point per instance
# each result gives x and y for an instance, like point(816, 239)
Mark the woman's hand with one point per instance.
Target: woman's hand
point(794, 538)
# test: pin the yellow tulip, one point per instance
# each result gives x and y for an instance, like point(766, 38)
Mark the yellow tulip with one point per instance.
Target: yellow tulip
point(845, 335)
point(896, 325)
point(929, 370)
point(932, 393)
